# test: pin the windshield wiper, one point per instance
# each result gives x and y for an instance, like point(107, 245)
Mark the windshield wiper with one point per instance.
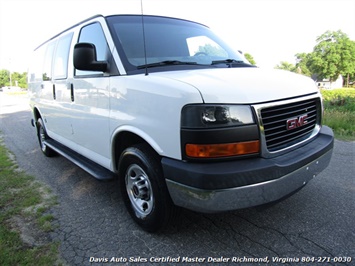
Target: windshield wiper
point(232, 62)
point(227, 61)
point(166, 63)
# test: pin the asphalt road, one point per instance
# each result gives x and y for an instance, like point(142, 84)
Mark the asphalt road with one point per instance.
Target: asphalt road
point(316, 224)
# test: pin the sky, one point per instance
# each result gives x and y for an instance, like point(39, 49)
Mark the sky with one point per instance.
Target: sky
point(270, 30)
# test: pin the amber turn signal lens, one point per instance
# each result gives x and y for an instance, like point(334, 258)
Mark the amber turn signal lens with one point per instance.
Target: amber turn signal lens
point(221, 150)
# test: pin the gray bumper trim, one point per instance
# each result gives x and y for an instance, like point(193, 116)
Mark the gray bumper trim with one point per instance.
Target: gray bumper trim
point(209, 201)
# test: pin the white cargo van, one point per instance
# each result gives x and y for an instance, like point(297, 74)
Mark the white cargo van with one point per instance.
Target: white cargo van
point(178, 116)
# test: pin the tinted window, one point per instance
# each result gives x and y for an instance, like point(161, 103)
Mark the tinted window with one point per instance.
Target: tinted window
point(94, 34)
point(60, 67)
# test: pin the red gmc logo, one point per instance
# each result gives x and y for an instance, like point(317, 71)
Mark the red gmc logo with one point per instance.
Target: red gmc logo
point(296, 122)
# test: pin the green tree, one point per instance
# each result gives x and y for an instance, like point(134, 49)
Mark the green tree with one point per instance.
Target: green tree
point(4, 78)
point(333, 55)
point(286, 66)
point(250, 58)
point(348, 71)
point(23, 81)
point(19, 79)
point(301, 64)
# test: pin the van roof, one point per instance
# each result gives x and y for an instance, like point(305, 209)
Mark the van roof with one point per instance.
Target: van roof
point(99, 15)
point(77, 24)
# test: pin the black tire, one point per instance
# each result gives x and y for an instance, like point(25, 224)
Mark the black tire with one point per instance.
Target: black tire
point(42, 137)
point(143, 188)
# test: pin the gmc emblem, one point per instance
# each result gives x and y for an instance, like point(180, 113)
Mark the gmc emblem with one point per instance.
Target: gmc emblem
point(296, 122)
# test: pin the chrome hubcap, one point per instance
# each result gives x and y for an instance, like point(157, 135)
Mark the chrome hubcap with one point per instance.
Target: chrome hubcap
point(42, 138)
point(139, 190)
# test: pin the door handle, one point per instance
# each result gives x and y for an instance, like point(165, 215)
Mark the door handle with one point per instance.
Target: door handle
point(54, 94)
point(72, 92)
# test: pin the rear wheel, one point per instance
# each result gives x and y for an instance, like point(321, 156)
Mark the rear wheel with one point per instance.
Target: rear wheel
point(42, 137)
point(143, 188)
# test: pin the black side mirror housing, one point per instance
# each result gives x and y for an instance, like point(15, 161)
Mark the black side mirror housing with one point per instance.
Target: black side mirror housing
point(85, 58)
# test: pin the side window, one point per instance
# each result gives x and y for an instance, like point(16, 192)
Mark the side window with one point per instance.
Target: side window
point(41, 63)
point(94, 34)
point(60, 64)
point(36, 64)
point(47, 64)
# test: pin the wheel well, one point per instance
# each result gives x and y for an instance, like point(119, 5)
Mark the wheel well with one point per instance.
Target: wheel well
point(36, 114)
point(122, 141)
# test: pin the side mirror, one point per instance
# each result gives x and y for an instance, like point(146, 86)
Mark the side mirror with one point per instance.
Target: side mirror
point(85, 58)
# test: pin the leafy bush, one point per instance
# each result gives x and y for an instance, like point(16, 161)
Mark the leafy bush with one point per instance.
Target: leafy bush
point(339, 112)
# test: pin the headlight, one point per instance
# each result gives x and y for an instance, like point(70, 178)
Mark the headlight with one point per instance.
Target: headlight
point(218, 131)
point(210, 116)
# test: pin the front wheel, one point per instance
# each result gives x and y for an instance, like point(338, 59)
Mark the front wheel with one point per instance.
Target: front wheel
point(42, 137)
point(143, 188)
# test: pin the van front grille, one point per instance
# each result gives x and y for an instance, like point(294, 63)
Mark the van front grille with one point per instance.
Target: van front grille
point(287, 124)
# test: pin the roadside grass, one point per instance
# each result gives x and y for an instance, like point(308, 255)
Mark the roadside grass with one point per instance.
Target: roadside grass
point(24, 221)
point(21, 92)
point(339, 112)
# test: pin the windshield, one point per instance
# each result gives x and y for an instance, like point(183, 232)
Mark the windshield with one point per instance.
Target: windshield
point(168, 42)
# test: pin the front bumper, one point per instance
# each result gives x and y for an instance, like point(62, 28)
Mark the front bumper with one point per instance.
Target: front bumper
point(224, 186)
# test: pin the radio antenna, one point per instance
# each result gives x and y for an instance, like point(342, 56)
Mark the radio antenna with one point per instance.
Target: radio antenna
point(144, 45)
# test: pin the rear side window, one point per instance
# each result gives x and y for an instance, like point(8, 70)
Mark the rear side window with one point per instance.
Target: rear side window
point(94, 34)
point(36, 67)
point(47, 64)
point(60, 67)
point(41, 63)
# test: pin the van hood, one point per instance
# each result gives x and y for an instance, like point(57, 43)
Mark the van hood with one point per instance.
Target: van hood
point(244, 85)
